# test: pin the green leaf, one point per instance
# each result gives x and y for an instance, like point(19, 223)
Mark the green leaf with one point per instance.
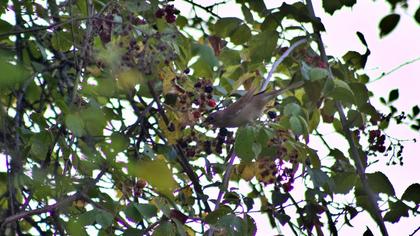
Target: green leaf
point(244, 143)
point(393, 95)
point(132, 232)
point(262, 46)
point(415, 110)
point(314, 120)
point(354, 119)
point(119, 142)
point(75, 124)
point(318, 73)
point(214, 216)
point(296, 125)
point(412, 193)
point(61, 41)
point(380, 183)
point(354, 59)
point(388, 23)
point(341, 91)
point(40, 144)
point(132, 213)
point(207, 60)
point(344, 182)
point(283, 218)
point(241, 35)
point(74, 227)
point(292, 109)
point(362, 93)
point(165, 229)
point(156, 173)
point(417, 15)
point(226, 26)
point(104, 218)
point(11, 74)
point(397, 210)
point(320, 179)
point(94, 120)
point(247, 14)
point(258, 6)
point(278, 198)
point(330, 6)
point(146, 210)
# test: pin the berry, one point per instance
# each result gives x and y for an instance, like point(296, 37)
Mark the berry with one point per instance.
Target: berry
point(170, 18)
point(169, 9)
point(223, 132)
point(187, 71)
point(196, 114)
point(211, 103)
point(159, 13)
point(208, 89)
point(272, 114)
point(197, 85)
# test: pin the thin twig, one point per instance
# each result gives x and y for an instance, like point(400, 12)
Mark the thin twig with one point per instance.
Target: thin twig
point(280, 60)
point(395, 69)
point(207, 9)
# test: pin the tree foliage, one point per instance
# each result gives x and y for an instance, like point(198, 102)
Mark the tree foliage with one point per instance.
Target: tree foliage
point(102, 104)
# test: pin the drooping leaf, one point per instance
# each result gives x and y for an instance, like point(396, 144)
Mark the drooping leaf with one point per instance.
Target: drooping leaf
point(412, 193)
point(393, 95)
point(380, 183)
point(388, 23)
point(397, 210)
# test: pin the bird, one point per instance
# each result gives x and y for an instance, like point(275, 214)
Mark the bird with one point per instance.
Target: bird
point(247, 108)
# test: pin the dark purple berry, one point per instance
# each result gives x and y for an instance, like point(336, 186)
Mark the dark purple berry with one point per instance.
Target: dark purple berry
point(197, 85)
point(170, 18)
point(208, 89)
point(159, 13)
point(272, 114)
point(187, 71)
point(223, 132)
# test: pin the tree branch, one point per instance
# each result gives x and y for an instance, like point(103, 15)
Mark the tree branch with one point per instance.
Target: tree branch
point(280, 60)
point(181, 156)
point(353, 149)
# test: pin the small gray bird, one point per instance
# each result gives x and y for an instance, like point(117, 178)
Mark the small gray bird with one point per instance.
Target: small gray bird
point(247, 108)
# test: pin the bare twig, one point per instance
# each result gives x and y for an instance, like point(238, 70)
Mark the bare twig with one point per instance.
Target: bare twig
point(280, 60)
point(208, 9)
point(395, 69)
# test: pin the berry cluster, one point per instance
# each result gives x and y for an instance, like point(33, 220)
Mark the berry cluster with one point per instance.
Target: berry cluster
point(168, 12)
point(270, 171)
point(376, 141)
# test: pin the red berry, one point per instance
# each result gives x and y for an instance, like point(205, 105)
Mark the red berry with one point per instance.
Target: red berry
point(211, 103)
point(196, 114)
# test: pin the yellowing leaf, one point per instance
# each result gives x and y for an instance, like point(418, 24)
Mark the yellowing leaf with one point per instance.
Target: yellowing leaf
point(248, 171)
point(94, 70)
point(173, 132)
point(156, 173)
point(167, 75)
point(129, 78)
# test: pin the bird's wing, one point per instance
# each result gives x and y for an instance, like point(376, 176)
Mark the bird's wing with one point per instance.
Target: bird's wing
point(272, 94)
point(241, 102)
